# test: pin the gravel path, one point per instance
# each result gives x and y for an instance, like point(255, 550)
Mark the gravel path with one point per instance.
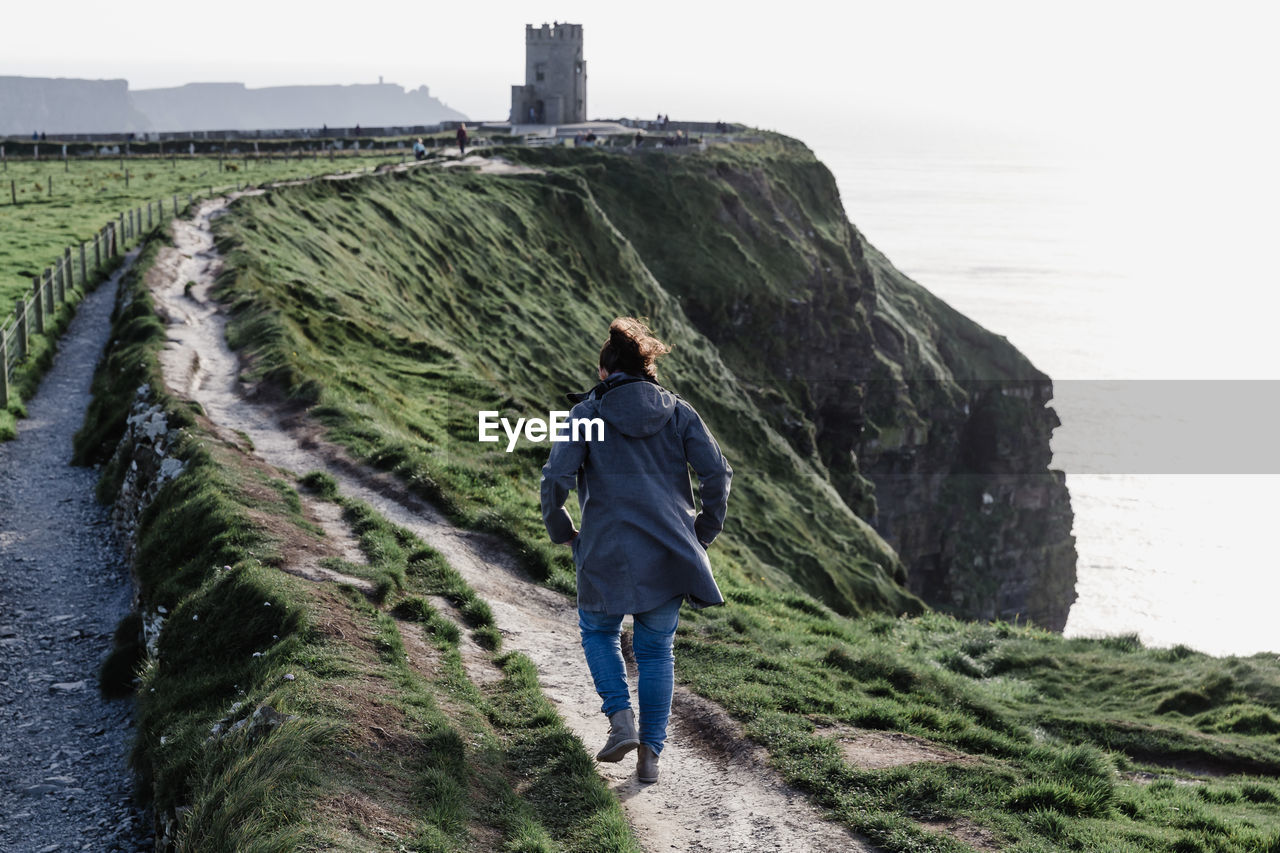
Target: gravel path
point(64, 585)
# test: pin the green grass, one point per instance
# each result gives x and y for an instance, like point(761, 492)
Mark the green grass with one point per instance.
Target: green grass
point(85, 197)
point(396, 308)
point(362, 748)
point(92, 192)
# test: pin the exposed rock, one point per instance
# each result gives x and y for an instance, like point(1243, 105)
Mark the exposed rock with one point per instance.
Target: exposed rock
point(146, 440)
point(66, 687)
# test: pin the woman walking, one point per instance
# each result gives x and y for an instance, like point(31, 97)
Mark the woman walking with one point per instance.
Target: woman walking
point(642, 547)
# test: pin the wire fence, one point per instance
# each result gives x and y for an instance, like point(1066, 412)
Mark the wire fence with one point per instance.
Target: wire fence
point(73, 274)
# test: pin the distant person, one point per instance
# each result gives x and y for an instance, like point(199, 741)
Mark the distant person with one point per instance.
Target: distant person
point(462, 139)
point(639, 139)
point(419, 150)
point(357, 130)
point(35, 136)
point(641, 549)
point(533, 115)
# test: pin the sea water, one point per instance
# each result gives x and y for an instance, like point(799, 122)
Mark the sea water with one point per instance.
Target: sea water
point(1141, 295)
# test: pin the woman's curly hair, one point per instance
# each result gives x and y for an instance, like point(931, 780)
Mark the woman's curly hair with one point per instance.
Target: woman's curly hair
point(632, 348)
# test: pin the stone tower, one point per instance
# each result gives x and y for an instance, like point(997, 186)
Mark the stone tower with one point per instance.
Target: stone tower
point(555, 77)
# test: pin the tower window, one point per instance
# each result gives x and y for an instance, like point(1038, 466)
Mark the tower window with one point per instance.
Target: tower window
point(577, 67)
point(540, 73)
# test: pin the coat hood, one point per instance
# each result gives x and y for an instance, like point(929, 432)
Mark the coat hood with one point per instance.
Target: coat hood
point(638, 409)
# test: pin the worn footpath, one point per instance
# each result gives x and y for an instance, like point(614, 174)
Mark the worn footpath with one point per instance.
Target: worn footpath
point(64, 585)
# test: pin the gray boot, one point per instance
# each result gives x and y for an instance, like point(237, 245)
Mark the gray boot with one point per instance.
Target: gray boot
point(622, 736)
point(647, 764)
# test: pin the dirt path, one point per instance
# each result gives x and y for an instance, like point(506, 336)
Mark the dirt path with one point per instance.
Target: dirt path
point(64, 585)
point(716, 792)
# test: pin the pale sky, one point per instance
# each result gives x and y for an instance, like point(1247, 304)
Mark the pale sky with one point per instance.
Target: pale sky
point(1169, 107)
point(1106, 72)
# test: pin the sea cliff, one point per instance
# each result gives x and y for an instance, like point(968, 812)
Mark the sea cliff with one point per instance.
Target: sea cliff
point(889, 450)
point(929, 426)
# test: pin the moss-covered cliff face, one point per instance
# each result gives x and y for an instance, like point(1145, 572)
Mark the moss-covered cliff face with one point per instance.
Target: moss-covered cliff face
point(926, 424)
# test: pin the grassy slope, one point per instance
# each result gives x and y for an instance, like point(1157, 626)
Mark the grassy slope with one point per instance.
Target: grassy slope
point(398, 307)
point(380, 753)
point(336, 280)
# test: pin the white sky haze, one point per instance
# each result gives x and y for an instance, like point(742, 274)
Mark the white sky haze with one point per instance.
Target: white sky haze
point(1088, 69)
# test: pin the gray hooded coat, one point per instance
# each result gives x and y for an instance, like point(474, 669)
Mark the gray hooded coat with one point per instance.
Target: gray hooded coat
point(642, 543)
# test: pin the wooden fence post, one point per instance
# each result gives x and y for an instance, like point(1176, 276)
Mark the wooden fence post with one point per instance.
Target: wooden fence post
point(68, 273)
point(175, 205)
point(126, 179)
point(97, 251)
point(50, 286)
point(37, 290)
point(51, 186)
point(13, 191)
point(4, 368)
point(148, 216)
point(22, 328)
point(120, 235)
point(84, 273)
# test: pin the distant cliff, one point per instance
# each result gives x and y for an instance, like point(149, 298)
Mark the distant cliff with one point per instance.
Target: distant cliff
point(58, 105)
point(233, 106)
point(65, 105)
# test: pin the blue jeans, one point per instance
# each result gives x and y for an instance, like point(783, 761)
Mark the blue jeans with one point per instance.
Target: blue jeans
point(654, 633)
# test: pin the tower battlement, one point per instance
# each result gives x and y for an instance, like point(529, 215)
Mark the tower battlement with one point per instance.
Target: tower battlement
point(555, 77)
point(557, 31)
